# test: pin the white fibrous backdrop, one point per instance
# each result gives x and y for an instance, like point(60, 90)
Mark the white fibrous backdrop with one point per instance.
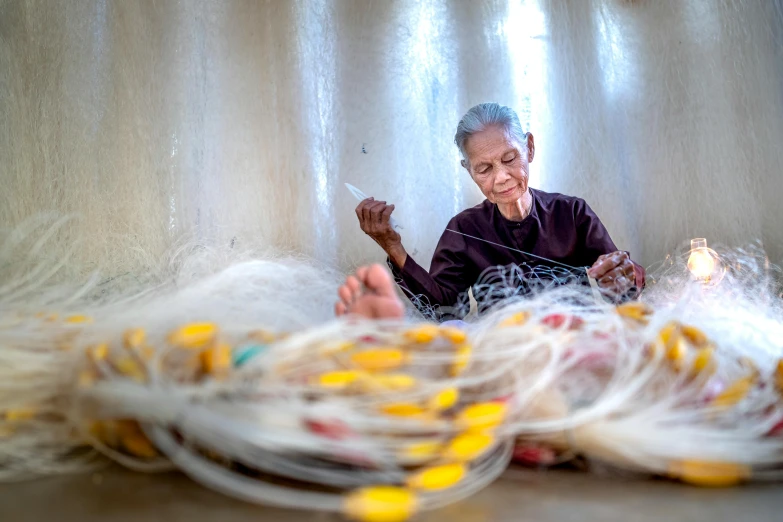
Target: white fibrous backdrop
point(236, 123)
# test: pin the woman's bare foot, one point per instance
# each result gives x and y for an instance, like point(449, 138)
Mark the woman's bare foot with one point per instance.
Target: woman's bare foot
point(369, 293)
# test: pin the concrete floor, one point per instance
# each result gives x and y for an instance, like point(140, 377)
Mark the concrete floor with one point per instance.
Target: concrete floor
point(520, 496)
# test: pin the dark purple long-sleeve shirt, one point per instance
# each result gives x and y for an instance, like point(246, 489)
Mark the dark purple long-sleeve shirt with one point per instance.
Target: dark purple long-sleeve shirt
point(560, 228)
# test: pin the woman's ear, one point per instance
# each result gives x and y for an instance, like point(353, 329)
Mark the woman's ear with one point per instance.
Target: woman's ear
point(531, 147)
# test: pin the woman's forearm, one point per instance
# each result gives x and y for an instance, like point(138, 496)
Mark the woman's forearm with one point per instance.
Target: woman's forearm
point(398, 255)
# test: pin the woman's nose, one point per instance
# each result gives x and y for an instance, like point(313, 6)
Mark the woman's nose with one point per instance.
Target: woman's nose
point(501, 175)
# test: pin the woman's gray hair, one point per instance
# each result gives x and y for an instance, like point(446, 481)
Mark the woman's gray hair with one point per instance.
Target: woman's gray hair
point(486, 115)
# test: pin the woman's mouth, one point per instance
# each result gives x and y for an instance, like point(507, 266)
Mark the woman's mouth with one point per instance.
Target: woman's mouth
point(507, 192)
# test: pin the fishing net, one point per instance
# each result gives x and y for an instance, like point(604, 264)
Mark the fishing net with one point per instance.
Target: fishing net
point(240, 379)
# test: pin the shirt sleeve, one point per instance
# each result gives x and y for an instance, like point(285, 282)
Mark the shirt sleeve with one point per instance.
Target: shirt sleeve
point(593, 236)
point(445, 285)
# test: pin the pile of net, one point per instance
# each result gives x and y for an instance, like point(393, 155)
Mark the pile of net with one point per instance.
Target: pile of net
point(243, 381)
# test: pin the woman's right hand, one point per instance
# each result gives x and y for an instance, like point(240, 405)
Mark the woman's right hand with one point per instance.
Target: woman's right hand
point(374, 221)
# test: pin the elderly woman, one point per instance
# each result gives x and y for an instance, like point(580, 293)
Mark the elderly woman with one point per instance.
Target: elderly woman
point(556, 229)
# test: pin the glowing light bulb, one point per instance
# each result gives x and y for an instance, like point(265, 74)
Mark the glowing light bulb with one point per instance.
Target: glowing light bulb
point(701, 262)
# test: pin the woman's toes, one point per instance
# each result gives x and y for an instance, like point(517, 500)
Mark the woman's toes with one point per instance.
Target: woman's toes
point(378, 279)
point(346, 295)
point(355, 286)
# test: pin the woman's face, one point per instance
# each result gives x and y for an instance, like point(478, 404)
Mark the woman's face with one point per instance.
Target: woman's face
point(498, 164)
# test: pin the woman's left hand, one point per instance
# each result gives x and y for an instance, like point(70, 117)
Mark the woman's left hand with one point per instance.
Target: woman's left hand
point(614, 273)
